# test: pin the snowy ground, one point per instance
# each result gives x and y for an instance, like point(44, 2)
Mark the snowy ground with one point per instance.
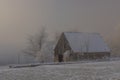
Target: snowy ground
point(79, 71)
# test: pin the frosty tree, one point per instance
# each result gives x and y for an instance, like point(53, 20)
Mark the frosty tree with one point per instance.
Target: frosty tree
point(35, 43)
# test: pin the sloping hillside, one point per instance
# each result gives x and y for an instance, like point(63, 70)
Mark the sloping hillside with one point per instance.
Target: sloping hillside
point(79, 71)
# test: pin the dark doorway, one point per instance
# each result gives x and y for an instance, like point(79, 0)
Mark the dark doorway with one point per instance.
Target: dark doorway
point(60, 58)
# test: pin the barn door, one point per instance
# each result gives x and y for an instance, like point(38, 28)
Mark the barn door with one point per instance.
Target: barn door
point(60, 58)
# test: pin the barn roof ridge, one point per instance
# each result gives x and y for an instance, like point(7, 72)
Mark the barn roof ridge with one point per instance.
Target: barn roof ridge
point(83, 32)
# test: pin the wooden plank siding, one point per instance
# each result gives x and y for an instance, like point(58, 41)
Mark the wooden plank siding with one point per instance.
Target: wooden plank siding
point(92, 55)
point(61, 47)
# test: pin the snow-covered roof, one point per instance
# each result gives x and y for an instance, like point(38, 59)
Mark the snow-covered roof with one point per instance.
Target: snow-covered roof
point(86, 42)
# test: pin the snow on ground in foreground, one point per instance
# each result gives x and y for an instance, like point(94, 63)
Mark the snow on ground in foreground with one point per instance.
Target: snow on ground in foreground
point(80, 71)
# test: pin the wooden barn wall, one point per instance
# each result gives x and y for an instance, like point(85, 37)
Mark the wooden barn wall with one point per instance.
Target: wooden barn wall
point(94, 55)
point(61, 46)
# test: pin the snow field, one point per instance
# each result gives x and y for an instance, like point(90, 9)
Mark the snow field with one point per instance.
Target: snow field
point(78, 71)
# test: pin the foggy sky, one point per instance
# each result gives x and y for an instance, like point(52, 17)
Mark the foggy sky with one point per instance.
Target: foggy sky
point(20, 18)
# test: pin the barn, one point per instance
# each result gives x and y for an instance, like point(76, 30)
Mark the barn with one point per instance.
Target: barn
point(73, 46)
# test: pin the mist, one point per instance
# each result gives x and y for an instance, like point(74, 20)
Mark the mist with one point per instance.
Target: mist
point(21, 18)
